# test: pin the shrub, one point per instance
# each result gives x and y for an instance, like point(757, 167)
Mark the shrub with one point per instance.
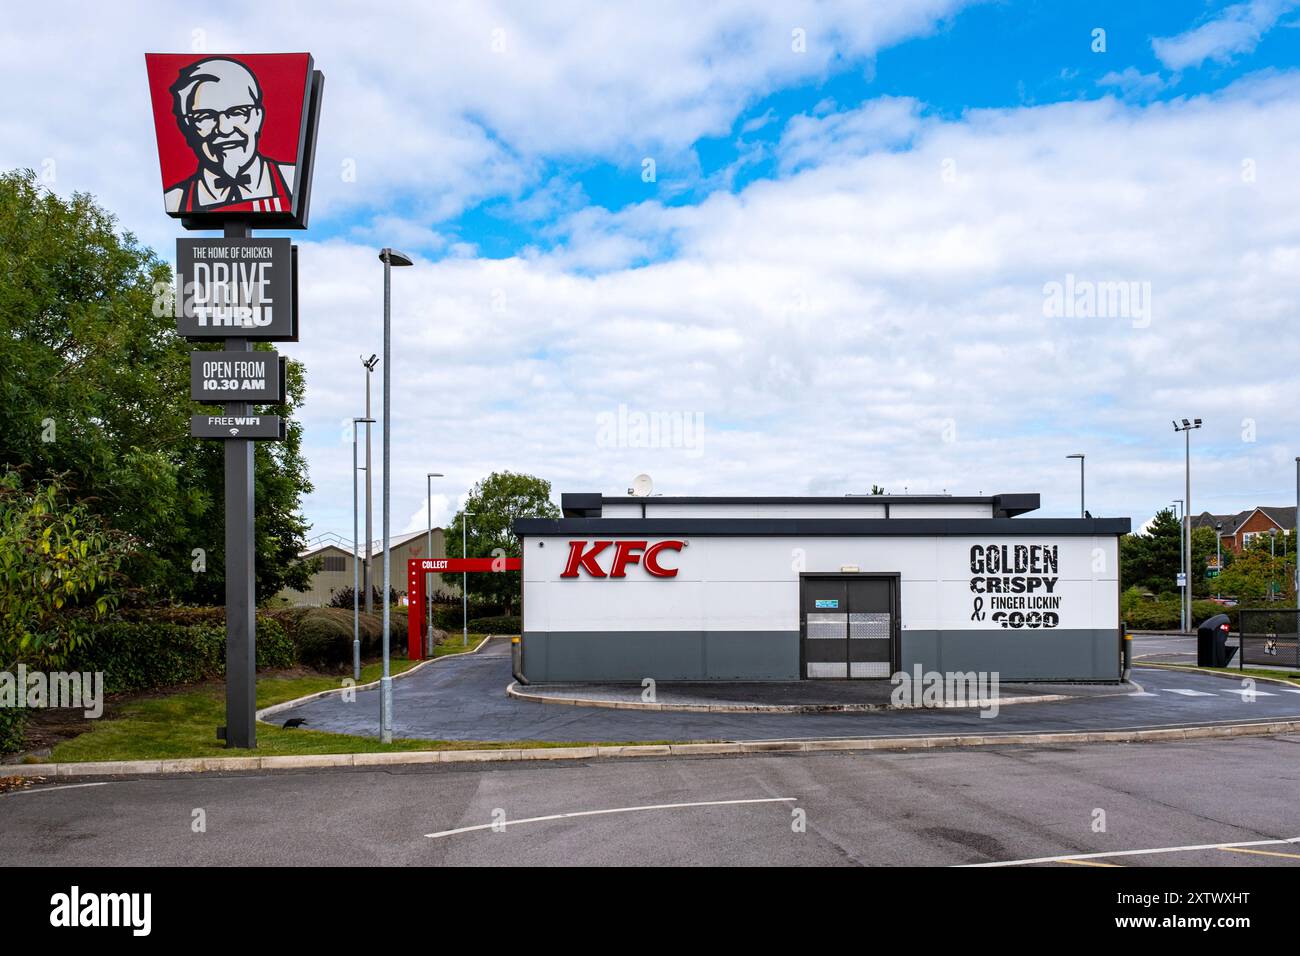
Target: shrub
point(142, 655)
point(501, 624)
point(12, 721)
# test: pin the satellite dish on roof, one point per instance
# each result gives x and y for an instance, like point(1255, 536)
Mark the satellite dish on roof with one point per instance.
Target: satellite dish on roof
point(642, 486)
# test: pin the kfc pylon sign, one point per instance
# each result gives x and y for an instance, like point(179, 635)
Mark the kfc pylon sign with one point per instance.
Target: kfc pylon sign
point(583, 555)
point(236, 135)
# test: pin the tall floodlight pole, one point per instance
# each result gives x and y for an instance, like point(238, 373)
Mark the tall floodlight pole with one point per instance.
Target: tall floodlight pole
point(464, 583)
point(1295, 531)
point(1179, 511)
point(356, 561)
point(369, 365)
point(1082, 511)
point(1187, 428)
point(390, 258)
point(428, 548)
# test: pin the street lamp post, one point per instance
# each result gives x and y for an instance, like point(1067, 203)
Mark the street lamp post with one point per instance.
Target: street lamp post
point(1296, 530)
point(356, 559)
point(428, 547)
point(1082, 510)
point(390, 258)
point(369, 366)
point(1187, 428)
point(464, 583)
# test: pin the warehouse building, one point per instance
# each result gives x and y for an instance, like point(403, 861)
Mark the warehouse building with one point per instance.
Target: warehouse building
point(708, 588)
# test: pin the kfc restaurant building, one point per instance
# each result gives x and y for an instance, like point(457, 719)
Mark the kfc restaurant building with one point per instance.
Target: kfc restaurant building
point(625, 588)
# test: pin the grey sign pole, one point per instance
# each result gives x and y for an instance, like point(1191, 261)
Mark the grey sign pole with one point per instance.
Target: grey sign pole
point(241, 596)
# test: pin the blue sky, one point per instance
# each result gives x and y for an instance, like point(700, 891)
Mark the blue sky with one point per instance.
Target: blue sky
point(840, 267)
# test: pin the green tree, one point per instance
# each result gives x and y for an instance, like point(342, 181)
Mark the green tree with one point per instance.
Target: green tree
point(1150, 559)
point(1255, 574)
point(94, 385)
point(493, 505)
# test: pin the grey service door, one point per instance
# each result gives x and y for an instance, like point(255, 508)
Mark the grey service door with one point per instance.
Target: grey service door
point(825, 616)
point(848, 626)
point(871, 626)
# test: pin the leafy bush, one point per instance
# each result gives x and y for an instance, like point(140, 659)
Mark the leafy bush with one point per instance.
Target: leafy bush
point(342, 597)
point(142, 655)
point(1164, 614)
point(12, 721)
point(501, 624)
point(322, 636)
point(59, 571)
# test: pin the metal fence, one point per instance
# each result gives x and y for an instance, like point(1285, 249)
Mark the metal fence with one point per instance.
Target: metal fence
point(1270, 636)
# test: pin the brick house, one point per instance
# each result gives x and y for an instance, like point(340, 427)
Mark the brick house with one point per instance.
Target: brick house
point(1240, 529)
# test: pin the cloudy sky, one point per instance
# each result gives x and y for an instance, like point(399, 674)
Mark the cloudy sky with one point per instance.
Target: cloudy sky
point(755, 248)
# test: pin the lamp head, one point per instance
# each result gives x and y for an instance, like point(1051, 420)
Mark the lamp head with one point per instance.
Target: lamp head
point(394, 258)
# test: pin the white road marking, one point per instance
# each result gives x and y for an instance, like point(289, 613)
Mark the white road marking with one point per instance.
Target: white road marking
point(1244, 691)
point(1161, 849)
point(1142, 693)
point(593, 813)
point(65, 786)
point(1187, 693)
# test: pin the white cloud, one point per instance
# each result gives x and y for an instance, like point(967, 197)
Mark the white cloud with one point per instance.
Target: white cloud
point(1233, 30)
point(422, 103)
point(1133, 82)
point(832, 329)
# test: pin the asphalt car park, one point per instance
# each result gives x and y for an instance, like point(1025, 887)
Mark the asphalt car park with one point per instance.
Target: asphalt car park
point(1219, 802)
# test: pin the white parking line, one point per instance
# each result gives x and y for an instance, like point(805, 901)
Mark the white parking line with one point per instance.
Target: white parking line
point(65, 786)
point(1113, 853)
point(1243, 691)
point(502, 824)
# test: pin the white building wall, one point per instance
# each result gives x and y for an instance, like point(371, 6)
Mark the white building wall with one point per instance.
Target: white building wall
point(752, 583)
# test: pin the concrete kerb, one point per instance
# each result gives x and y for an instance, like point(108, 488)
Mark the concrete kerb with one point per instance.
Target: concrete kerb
point(514, 690)
point(273, 709)
point(65, 771)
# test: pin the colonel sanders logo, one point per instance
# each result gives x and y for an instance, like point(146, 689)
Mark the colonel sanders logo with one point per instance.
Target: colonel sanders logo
point(231, 132)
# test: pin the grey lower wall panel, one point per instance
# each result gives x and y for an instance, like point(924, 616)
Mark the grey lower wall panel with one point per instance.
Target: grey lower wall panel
point(1066, 654)
point(662, 655)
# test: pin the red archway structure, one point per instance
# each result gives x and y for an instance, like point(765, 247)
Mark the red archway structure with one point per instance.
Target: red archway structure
point(417, 572)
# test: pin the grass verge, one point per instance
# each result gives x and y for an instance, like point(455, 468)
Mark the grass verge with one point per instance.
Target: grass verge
point(184, 724)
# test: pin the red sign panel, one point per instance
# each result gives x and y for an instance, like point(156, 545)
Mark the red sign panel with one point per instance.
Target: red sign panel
point(233, 134)
point(457, 565)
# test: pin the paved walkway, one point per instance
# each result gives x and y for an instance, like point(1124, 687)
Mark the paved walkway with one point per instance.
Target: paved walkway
point(463, 698)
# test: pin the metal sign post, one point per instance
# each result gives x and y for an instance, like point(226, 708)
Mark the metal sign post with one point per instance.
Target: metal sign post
point(245, 161)
point(241, 584)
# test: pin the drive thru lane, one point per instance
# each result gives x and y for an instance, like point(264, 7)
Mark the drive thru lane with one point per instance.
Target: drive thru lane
point(464, 698)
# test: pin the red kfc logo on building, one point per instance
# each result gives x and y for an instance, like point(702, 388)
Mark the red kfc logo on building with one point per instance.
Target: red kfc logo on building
point(625, 553)
point(235, 134)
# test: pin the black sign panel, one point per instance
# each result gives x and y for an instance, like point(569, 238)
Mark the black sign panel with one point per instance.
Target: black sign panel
point(237, 377)
point(236, 288)
point(237, 426)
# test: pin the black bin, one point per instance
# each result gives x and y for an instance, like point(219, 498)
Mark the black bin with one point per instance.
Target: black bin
point(1212, 648)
